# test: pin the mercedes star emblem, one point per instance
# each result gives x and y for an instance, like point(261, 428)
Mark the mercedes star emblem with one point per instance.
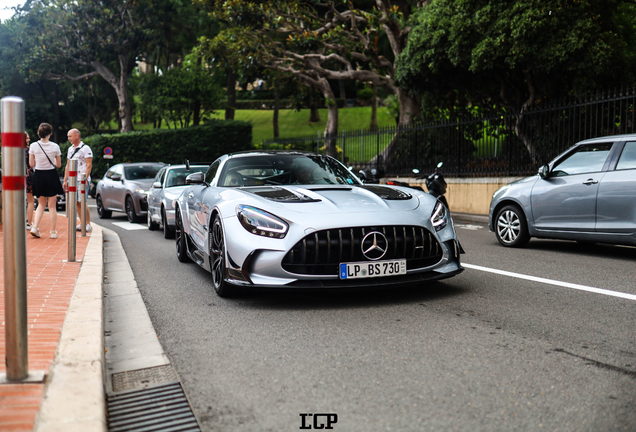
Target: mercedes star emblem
point(374, 245)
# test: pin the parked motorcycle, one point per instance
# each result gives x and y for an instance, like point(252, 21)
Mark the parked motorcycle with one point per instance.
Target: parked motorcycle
point(435, 183)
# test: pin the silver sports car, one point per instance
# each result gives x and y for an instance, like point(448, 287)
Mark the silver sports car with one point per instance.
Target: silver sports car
point(302, 220)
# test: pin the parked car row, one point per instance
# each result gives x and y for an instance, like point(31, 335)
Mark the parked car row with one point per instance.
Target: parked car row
point(302, 220)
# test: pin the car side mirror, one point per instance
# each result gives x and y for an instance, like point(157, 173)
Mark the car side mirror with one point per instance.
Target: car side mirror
point(116, 177)
point(544, 172)
point(195, 178)
point(362, 175)
point(157, 185)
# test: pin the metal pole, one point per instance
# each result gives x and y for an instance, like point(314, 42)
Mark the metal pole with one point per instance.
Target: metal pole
point(14, 243)
point(83, 206)
point(71, 208)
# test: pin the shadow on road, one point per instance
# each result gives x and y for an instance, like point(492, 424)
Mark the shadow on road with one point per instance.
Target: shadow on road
point(336, 299)
point(625, 253)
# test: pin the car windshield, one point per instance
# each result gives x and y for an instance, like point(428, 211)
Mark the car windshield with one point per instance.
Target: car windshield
point(177, 176)
point(141, 172)
point(285, 169)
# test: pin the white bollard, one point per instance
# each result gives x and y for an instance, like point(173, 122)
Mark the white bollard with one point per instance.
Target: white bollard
point(71, 208)
point(83, 205)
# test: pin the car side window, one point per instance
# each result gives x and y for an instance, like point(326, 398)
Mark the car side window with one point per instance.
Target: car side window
point(628, 157)
point(159, 176)
point(209, 176)
point(587, 159)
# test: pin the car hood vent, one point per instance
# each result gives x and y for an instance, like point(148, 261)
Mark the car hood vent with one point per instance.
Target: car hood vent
point(387, 193)
point(281, 194)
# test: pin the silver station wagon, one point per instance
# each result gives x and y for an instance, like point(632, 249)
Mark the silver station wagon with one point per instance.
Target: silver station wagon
point(587, 194)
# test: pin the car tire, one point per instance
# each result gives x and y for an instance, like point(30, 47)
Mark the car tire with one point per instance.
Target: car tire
point(180, 237)
point(152, 226)
point(168, 231)
point(217, 259)
point(511, 227)
point(130, 210)
point(101, 211)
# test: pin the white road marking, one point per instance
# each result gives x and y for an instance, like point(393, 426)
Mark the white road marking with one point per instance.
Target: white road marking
point(130, 227)
point(553, 282)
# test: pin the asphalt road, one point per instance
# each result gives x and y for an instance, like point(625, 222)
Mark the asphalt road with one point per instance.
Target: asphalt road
point(479, 352)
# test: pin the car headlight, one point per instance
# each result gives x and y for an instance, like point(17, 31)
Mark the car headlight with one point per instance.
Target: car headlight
point(261, 223)
point(439, 217)
point(141, 191)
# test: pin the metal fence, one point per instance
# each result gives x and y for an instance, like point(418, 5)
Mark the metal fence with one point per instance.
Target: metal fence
point(484, 144)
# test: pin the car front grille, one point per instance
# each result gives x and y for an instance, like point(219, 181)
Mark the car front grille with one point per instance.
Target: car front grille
point(320, 253)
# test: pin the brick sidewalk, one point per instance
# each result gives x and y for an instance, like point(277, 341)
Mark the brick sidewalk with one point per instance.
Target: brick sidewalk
point(50, 284)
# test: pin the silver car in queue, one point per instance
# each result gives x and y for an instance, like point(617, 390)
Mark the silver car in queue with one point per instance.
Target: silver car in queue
point(124, 188)
point(166, 188)
point(300, 220)
point(587, 194)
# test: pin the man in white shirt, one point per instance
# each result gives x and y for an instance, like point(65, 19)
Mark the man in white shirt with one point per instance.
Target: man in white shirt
point(84, 156)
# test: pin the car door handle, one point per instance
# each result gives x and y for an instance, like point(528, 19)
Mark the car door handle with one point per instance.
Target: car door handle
point(590, 182)
point(190, 195)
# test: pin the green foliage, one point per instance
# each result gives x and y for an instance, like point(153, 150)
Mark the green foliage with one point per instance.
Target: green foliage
point(392, 104)
point(172, 95)
point(198, 144)
point(365, 93)
point(496, 52)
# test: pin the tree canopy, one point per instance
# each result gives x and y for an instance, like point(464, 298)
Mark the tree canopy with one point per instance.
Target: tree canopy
point(316, 42)
point(514, 53)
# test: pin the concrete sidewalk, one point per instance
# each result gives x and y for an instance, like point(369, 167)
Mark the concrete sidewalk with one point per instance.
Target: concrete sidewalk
point(65, 336)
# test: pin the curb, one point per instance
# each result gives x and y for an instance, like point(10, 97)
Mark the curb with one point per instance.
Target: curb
point(468, 217)
point(73, 399)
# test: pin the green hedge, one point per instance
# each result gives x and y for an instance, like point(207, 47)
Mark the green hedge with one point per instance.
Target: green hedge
point(197, 144)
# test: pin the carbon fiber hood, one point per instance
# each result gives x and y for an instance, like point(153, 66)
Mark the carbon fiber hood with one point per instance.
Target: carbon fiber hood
point(338, 199)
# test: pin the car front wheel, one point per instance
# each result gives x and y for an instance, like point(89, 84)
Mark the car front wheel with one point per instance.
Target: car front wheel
point(168, 231)
point(101, 211)
point(182, 251)
point(130, 210)
point(217, 259)
point(511, 227)
point(152, 226)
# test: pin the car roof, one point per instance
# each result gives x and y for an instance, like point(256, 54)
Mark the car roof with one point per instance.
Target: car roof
point(248, 153)
point(608, 138)
point(141, 163)
point(183, 166)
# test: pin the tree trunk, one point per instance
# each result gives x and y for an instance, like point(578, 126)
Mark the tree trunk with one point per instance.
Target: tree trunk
point(343, 93)
point(275, 116)
point(231, 93)
point(374, 109)
point(314, 114)
point(525, 139)
point(410, 108)
point(331, 129)
point(196, 112)
point(125, 113)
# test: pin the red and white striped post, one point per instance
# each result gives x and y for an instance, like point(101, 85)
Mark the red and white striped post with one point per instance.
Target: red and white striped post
point(71, 208)
point(14, 217)
point(83, 205)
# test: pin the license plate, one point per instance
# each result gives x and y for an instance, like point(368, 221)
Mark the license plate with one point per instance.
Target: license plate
point(368, 269)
